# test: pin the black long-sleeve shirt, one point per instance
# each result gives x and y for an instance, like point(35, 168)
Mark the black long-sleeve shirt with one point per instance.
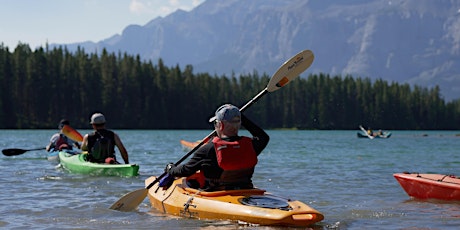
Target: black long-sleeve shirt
point(205, 159)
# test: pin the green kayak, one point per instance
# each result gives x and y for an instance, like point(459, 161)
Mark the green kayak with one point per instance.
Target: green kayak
point(76, 163)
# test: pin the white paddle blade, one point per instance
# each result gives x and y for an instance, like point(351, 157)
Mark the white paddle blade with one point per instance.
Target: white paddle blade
point(130, 201)
point(365, 132)
point(291, 69)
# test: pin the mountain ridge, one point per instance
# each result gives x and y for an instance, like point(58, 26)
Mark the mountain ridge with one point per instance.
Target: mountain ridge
point(404, 41)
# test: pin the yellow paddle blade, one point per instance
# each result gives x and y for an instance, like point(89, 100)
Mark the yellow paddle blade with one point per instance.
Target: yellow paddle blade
point(130, 201)
point(72, 133)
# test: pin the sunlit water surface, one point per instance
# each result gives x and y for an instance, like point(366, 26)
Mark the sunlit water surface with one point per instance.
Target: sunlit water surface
point(348, 179)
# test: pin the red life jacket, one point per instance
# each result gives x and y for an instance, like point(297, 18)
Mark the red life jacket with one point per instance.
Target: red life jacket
point(238, 160)
point(235, 155)
point(62, 143)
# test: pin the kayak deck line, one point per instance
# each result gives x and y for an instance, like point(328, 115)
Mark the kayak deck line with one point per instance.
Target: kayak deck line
point(443, 178)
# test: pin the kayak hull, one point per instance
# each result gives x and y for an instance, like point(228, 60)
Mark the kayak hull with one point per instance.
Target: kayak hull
point(384, 135)
point(76, 163)
point(53, 156)
point(430, 186)
point(181, 200)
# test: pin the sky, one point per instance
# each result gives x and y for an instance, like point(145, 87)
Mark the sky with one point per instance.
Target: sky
point(37, 22)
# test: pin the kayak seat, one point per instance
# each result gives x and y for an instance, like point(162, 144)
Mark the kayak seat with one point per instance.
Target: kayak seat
point(196, 180)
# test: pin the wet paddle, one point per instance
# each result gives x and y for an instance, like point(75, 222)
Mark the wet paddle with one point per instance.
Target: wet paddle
point(288, 71)
point(15, 152)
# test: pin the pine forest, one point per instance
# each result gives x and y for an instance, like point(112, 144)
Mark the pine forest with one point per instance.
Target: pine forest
point(40, 87)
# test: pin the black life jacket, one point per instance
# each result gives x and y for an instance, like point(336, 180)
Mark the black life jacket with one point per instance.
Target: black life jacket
point(101, 145)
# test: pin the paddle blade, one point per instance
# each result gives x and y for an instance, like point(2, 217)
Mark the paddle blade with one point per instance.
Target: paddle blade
point(130, 201)
point(15, 152)
point(72, 133)
point(291, 69)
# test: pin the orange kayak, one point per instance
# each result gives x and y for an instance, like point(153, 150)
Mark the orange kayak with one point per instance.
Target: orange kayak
point(430, 186)
point(189, 145)
point(254, 206)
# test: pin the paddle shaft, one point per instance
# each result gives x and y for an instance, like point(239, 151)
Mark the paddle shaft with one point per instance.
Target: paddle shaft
point(41, 148)
point(249, 103)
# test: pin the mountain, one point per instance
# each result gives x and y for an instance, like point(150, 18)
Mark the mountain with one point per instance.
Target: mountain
point(404, 41)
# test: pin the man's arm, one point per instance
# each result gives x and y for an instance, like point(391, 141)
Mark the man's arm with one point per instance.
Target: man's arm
point(121, 147)
point(194, 164)
point(260, 137)
point(84, 143)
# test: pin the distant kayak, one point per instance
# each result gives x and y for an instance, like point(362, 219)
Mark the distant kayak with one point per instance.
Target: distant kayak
point(54, 155)
point(187, 145)
point(77, 164)
point(371, 135)
point(253, 206)
point(384, 135)
point(430, 186)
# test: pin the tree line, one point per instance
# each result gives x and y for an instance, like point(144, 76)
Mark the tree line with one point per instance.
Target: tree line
point(41, 86)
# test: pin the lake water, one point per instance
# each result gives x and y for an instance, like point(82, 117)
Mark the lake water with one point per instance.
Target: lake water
point(348, 179)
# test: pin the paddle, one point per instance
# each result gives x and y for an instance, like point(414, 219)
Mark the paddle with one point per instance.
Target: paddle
point(14, 152)
point(72, 133)
point(285, 74)
point(365, 132)
point(66, 130)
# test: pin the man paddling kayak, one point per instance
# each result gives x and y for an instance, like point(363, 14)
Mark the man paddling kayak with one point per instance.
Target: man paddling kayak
point(101, 143)
point(228, 161)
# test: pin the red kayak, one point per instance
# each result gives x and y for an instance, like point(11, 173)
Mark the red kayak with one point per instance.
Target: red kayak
point(430, 186)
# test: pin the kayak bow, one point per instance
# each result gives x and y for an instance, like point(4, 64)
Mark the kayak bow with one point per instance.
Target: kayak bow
point(430, 186)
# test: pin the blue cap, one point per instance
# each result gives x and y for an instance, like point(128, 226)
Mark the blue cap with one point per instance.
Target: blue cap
point(226, 113)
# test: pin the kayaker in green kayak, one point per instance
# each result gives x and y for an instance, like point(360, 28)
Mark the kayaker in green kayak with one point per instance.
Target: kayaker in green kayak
point(101, 143)
point(227, 162)
point(59, 141)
